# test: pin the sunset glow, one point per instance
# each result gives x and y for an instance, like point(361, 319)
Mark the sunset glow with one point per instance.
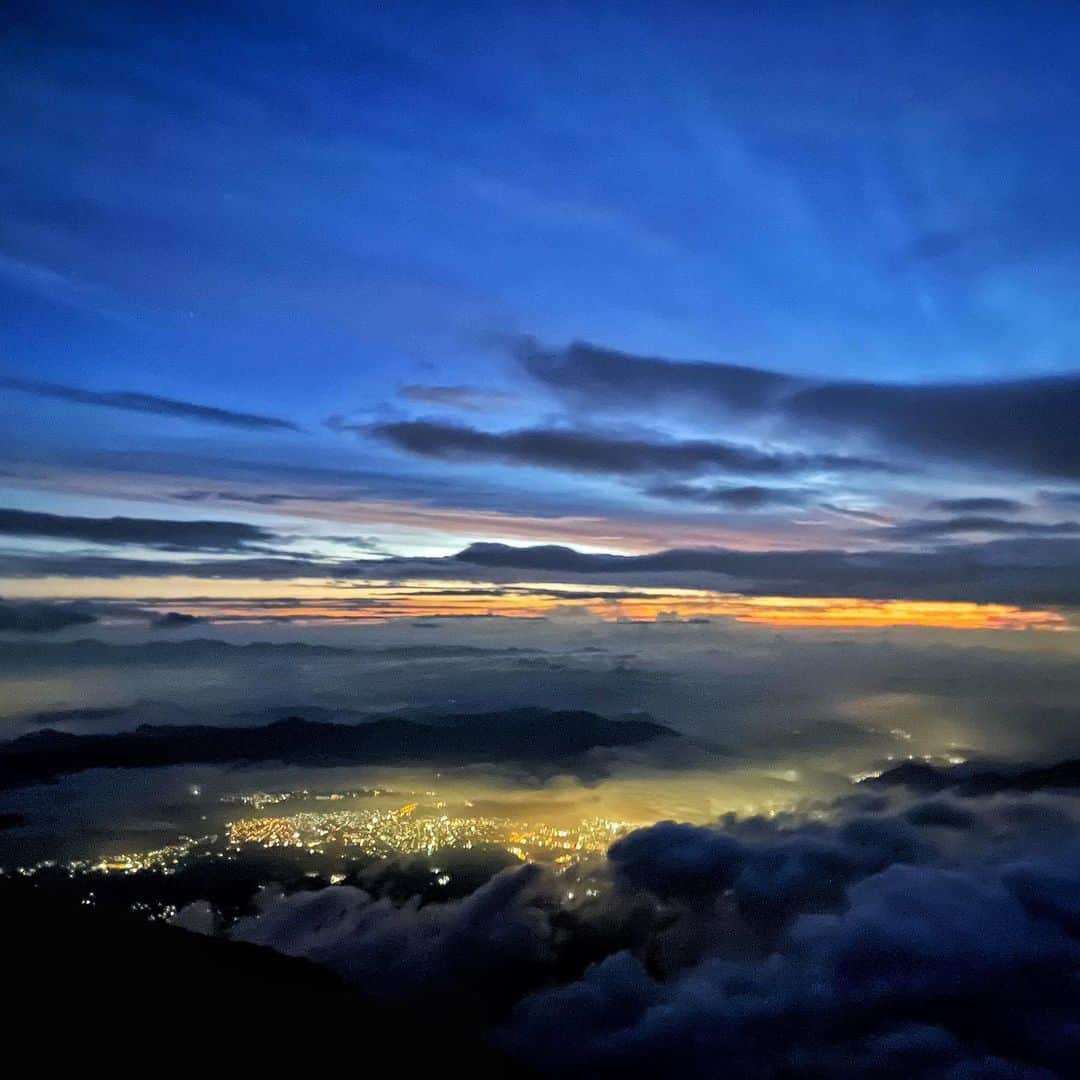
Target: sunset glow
point(374, 601)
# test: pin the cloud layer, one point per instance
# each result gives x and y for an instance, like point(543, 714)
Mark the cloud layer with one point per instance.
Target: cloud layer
point(923, 939)
point(1024, 425)
point(177, 535)
point(42, 618)
point(590, 452)
point(1030, 570)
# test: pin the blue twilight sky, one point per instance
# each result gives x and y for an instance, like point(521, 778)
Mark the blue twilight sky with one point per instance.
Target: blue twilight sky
point(370, 236)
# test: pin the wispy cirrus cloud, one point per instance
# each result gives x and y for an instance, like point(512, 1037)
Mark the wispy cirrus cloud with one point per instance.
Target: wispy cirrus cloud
point(132, 401)
point(467, 398)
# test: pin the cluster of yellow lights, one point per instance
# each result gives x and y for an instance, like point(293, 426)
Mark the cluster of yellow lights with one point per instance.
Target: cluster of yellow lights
point(386, 832)
point(166, 859)
point(381, 832)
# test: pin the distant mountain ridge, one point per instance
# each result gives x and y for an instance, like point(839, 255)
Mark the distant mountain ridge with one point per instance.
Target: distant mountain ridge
point(95, 651)
point(518, 735)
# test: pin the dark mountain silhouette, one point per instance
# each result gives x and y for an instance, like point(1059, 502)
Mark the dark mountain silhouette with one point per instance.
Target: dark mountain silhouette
point(519, 735)
point(92, 652)
point(973, 780)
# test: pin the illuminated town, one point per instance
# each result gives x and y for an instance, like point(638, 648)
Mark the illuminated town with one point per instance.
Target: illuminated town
point(403, 831)
point(413, 828)
point(166, 859)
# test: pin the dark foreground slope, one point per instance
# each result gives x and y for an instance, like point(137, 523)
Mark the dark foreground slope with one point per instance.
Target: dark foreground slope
point(89, 990)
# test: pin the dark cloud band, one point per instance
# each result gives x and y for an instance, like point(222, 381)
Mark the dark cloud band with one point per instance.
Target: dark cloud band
point(42, 618)
point(1024, 424)
point(150, 532)
point(1043, 571)
point(588, 452)
point(148, 403)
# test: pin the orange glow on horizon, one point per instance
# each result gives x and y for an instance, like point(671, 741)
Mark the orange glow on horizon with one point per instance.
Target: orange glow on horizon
point(383, 601)
point(374, 600)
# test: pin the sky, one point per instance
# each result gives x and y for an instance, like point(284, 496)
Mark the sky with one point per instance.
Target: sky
point(369, 284)
point(479, 377)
